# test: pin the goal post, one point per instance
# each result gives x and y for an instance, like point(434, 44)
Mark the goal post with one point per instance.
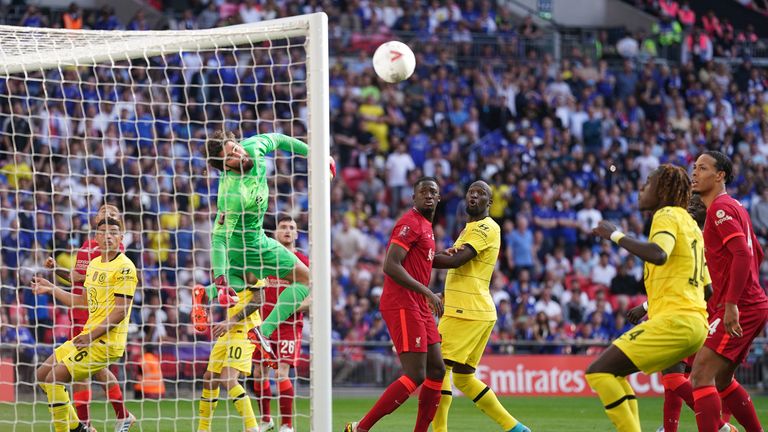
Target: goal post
point(86, 105)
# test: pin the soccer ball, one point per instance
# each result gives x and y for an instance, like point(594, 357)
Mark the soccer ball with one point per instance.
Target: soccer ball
point(393, 61)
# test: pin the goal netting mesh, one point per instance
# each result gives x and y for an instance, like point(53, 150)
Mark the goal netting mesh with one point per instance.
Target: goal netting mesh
point(92, 117)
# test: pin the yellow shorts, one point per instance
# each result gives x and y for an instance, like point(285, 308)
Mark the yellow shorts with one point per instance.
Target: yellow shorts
point(464, 340)
point(232, 350)
point(661, 342)
point(84, 362)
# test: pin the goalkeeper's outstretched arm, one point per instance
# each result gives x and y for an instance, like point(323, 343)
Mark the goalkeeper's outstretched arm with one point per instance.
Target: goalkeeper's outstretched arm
point(287, 143)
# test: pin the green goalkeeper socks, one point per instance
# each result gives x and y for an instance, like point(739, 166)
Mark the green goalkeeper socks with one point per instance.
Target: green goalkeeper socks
point(290, 300)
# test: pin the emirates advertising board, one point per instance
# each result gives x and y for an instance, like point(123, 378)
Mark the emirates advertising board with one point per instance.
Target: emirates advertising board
point(551, 375)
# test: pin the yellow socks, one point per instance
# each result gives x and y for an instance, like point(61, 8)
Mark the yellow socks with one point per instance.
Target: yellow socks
point(63, 414)
point(616, 396)
point(243, 404)
point(632, 400)
point(485, 399)
point(440, 422)
point(207, 406)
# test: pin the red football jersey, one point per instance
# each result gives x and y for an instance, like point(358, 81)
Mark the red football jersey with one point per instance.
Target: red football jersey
point(275, 286)
point(727, 219)
point(414, 233)
point(88, 252)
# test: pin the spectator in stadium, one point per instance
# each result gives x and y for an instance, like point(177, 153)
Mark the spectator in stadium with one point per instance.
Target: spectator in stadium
point(604, 272)
point(72, 19)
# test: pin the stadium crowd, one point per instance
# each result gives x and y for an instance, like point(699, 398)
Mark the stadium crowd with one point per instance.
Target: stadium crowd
point(564, 144)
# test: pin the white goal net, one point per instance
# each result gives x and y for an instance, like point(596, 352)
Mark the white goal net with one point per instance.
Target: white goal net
point(93, 117)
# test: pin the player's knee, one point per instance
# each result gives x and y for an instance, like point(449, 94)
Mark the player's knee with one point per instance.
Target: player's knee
point(417, 377)
point(283, 373)
point(436, 372)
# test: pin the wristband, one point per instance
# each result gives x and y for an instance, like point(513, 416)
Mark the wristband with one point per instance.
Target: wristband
point(616, 236)
point(645, 306)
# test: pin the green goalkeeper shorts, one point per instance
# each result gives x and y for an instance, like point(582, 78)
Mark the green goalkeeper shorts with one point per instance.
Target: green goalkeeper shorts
point(258, 254)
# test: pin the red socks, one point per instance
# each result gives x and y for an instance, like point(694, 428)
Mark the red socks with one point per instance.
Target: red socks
point(677, 389)
point(740, 404)
point(394, 396)
point(81, 401)
point(707, 407)
point(429, 399)
point(115, 397)
point(286, 402)
point(264, 396)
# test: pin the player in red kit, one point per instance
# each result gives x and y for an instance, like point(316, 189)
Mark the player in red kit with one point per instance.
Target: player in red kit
point(81, 391)
point(408, 307)
point(739, 304)
point(285, 341)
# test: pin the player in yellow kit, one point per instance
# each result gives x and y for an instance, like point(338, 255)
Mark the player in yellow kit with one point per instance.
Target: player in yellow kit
point(230, 357)
point(470, 314)
point(110, 283)
point(674, 277)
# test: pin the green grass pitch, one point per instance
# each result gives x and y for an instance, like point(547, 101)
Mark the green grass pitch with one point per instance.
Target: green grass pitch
point(544, 414)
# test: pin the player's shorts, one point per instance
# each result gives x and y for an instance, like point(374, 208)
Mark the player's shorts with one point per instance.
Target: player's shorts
point(84, 362)
point(661, 342)
point(411, 330)
point(464, 341)
point(735, 349)
point(232, 350)
point(257, 254)
point(286, 344)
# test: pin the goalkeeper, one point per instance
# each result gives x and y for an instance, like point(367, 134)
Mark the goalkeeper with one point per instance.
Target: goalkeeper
point(239, 246)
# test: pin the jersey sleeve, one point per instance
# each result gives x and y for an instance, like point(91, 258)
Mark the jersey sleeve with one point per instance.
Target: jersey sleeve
point(726, 225)
point(480, 236)
point(125, 279)
point(664, 230)
point(257, 146)
point(260, 145)
point(404, 234)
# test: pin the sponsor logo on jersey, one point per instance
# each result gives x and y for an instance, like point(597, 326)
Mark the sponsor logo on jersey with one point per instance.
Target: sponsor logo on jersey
point(722, 218)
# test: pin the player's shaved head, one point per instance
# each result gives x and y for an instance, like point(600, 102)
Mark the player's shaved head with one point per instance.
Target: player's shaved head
point(481, 184)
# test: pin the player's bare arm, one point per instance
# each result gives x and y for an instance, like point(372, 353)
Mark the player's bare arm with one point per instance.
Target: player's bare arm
point(741, 256)
point(646, 251)
point(68, 275)
point(118, 314)
point(43, 286)
point(393, 267)
point(454, 257)
point(223, 327)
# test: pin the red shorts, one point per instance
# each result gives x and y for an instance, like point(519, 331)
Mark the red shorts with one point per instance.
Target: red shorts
point(735, 349)
point(285, 344)
point(411, 330)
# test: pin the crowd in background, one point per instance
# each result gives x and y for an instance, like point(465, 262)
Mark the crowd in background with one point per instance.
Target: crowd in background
point(543, 133)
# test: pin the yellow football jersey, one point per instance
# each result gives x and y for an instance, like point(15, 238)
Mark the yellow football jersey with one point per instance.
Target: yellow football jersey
point(677, 286)
point(467, 288)
point(251, 320)
point(103, 282)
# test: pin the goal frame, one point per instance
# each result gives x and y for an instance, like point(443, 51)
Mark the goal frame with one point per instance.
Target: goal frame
point(90, 47)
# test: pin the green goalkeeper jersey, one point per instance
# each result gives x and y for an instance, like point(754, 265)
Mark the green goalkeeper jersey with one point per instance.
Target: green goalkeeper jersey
point(243, 198)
